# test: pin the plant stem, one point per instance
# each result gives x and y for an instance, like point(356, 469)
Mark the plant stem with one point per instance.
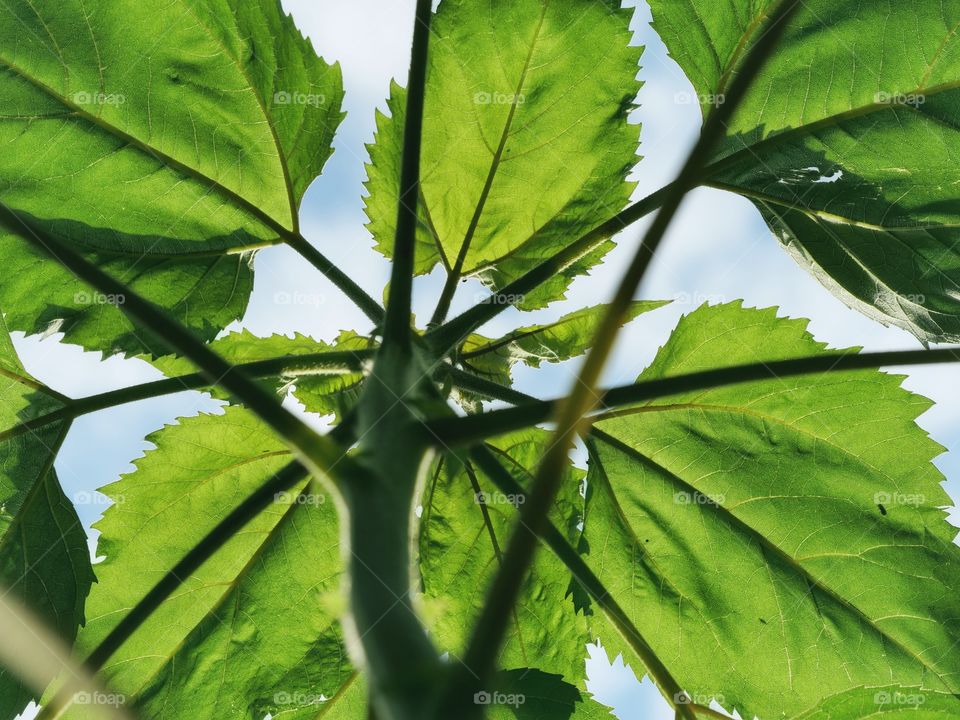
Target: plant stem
point(397, 323)
point(450, 334)
point(487, 388)
point(295, 365)
point(475, 428)
point(488, 634)
point(333, 362)
point(400, 660)
point(370, 307)
point(555, 540)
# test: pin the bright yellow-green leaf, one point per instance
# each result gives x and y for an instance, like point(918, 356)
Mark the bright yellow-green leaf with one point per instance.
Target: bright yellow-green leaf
point(776, 542)
point(155, 138)
point(526, 143)
point(255, 630)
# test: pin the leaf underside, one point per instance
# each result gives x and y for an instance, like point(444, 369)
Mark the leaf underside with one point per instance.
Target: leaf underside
point(255, 630)
point(781, 541)
point(154, 156)
point(847, 143)
point(44, 559)
point(516, 164)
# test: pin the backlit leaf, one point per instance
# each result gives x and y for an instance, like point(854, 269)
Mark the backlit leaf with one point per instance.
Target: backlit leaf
point(44, 559)
point(526, 141)
point(847, 143)
point(156, 138)
point(776, 542)
point(255, 630)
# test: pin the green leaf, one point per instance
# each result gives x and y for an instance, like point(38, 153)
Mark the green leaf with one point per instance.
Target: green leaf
point(157, 139)
point(333, 394)
point(776, 542)
point(885, 702)
point(567, 338)
point(350, 703)
point(466, 523)
point(812, 143)
point(264, 607)
point(531, 694)
point(44, 559)
point(205, 294)
point(325, 390)
point(516, 164)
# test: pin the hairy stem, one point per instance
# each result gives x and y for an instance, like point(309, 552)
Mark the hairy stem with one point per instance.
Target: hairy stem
point(486, 388)
point(491, 627)
point(397, 323)
point(370, 307)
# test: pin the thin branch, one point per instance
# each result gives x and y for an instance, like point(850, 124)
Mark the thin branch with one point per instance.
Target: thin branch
point(316, 451)
point(488, 634)
point(452, 333)
point(582, 573)
point(486, 388)
point(397, 324)
point(475, 428)
point(213, 542)
point(332, 362)
point(370, 307)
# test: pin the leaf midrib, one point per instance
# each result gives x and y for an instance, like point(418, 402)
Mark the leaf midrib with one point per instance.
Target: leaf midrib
point(148, 150)
point(281, 155)
point(830, 121)
point(228, 589)
point(769, 546)
point(498, 154)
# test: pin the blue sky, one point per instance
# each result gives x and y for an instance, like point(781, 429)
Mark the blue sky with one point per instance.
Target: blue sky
point(718, 250)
